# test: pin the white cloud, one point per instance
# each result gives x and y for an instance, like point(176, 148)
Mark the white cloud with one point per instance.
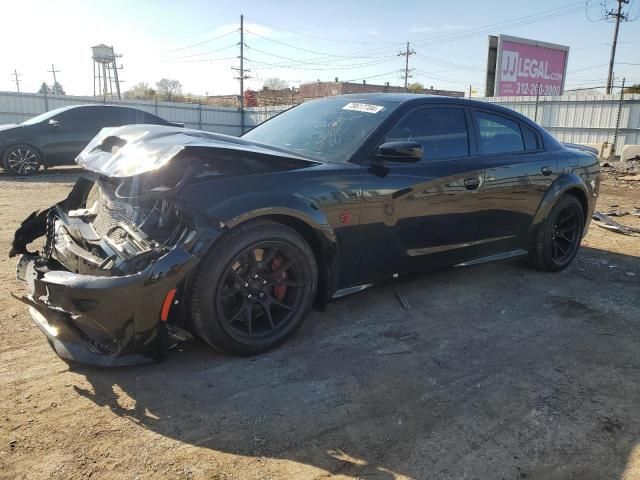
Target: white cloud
point(429, 28)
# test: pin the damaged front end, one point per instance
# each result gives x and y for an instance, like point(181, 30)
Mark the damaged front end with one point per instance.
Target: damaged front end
point(119, 250)
point(115, 251)
point(98, 287)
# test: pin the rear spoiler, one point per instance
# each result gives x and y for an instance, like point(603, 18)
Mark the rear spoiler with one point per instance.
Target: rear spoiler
point(583, 148)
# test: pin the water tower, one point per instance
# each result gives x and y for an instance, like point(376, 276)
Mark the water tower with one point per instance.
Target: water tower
point(105, 71)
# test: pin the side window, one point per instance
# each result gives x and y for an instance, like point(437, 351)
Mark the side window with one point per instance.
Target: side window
point(132, 116)
point(497, 134)
point(442, 132)
point(93, 119)
point(530, 138)
point(149, 118)
point(73, 119)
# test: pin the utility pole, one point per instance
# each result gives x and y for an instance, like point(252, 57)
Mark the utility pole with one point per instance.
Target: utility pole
point(54, 71)
point(620, 16)
point(242, 62)
point(242, 73)
point(16, 75)
point(115, 72)
point(406, 64)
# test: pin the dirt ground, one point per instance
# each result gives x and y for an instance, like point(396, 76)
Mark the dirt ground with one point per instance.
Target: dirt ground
point(495, 372)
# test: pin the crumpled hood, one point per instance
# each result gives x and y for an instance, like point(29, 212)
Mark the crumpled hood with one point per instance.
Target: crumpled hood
point(135, 149)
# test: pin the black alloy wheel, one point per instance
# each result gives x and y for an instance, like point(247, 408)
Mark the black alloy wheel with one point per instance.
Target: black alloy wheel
point(21, 160)
point(558, 238)
point(565, 236)
point(261, 291)
point(254, 288)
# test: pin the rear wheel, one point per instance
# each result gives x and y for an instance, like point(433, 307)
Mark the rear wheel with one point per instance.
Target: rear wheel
point(254, 288)
point(21, 160)
point(558, 239)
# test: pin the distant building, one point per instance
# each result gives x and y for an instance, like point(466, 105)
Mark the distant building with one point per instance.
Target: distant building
point(223, 100)
point(264, 98)
point(309, 91)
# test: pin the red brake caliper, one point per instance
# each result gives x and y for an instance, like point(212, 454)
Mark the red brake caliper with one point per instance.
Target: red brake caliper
point(279, 291)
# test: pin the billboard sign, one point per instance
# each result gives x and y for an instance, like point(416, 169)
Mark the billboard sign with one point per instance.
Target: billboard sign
point(526, 67)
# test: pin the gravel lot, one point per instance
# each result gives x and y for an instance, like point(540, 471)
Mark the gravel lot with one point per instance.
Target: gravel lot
point(496, 371)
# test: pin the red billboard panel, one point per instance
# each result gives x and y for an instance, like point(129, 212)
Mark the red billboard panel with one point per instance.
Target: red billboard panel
point(525, 67)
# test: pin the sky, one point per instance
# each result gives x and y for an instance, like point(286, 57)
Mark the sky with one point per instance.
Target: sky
point(197, 41)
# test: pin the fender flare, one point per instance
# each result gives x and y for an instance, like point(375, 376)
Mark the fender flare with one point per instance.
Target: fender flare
point(299, 214)
point(564, 183)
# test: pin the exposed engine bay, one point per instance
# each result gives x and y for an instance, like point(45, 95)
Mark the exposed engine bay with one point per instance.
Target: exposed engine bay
point(114, 235)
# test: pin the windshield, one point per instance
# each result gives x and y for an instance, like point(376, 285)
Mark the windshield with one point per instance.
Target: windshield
point(329, 129)
point(45, 116)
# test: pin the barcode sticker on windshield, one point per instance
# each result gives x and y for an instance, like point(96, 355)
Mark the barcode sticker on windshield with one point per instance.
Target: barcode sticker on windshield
point(363, 107)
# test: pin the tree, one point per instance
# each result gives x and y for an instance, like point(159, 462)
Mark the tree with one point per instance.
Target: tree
point(635, 88)
point(169, 90)
point(57, 89)
point(44, 89)
point(274, 84)
point(140, 91)
point(415, 87)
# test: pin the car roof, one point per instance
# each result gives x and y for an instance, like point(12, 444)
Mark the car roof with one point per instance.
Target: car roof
point(417, 98)
point(414, 98)
point(422, 99)
point(71, 107)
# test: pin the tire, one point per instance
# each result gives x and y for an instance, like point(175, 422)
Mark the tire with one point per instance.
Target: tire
point(245, 307)
point(22, 160)
point(558, 238)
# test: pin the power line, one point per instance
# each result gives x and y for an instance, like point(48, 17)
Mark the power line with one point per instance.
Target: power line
point(361, 42)
point(325, 68)
point(323, 54)
point(511, 23)
point(200, 43)
point(293, 62)
point(204, 53)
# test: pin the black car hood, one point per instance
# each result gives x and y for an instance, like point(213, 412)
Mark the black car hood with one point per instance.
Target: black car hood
point(9, 126)
point(136, 149)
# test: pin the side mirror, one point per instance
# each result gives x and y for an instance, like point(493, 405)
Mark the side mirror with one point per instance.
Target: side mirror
point(404, 151)
point(54, 123)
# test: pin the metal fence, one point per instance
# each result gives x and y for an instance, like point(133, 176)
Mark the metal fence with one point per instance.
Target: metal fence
point(576, 119)
point(582, 119)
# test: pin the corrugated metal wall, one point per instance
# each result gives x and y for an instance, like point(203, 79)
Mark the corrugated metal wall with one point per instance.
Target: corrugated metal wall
point(582, 119)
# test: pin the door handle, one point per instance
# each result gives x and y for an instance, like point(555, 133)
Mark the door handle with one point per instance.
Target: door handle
point(546, 171)
point(471, 183)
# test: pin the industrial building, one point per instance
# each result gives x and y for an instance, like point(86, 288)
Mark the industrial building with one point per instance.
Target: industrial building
point(309, 91)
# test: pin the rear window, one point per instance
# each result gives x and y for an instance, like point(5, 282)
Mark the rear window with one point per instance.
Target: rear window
point(498, 134)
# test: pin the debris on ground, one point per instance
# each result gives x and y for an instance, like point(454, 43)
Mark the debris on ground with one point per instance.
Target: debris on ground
point(603, 220)
point(622, 213)
point(403, 301)
point(621, 172)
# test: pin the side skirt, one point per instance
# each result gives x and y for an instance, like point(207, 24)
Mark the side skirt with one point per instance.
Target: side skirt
point(493, 258)
point(476, 261)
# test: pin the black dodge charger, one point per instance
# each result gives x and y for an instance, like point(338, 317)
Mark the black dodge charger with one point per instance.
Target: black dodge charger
point(236, 239)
